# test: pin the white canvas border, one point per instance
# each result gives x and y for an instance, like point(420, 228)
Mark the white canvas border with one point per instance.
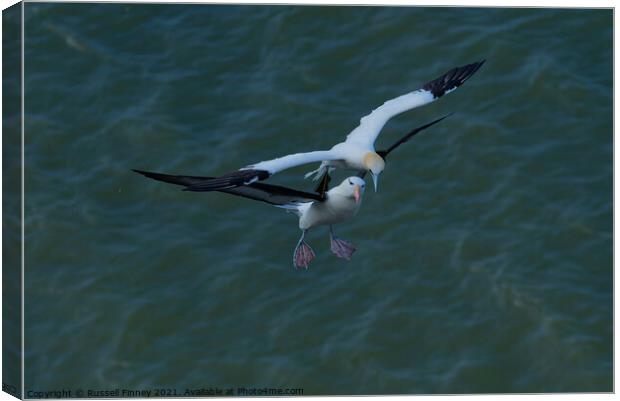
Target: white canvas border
point(453, 3)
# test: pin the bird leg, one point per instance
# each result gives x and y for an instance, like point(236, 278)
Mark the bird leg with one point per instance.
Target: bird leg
point(303, 254)
point(316, 173)
point(340, 247)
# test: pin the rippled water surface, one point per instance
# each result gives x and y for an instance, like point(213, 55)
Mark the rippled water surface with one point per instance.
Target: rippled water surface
point(484, 262)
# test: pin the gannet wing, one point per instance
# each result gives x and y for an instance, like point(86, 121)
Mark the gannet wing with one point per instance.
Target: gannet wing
point(370, 126)
point(263, 170)
point(285, 162)
point(384, 153)
point(273, 194)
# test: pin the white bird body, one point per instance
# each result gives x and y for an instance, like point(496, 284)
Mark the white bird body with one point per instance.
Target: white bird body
point(339, 206)
point(341, 203)
point(353, 156)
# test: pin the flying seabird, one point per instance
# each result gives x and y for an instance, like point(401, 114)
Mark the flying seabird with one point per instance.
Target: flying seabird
point(358, 150)
point(333, 206)
point(325, 207)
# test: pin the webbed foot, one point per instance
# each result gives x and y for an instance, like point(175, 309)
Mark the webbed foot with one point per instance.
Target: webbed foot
point(303, 255)
point(342, 248)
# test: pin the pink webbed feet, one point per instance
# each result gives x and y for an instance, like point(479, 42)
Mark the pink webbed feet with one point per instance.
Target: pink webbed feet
point(342, 248)
point(303, 254)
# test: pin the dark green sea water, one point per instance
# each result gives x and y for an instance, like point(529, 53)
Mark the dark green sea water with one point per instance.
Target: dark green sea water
point(484, 262)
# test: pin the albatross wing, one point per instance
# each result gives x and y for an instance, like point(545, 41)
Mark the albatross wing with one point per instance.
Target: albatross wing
point(230, 180)
point(273, 194)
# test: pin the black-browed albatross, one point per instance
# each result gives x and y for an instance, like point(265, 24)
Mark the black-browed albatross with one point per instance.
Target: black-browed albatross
point(358, 150)
point(334, 206)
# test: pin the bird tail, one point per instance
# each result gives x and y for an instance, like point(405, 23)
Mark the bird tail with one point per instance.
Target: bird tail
point(297, 208)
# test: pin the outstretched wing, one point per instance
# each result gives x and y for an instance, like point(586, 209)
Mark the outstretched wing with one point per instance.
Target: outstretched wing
point(370, 126)
point(263, 170)
point(384, 153)
point(273, 194)
point(297, 159)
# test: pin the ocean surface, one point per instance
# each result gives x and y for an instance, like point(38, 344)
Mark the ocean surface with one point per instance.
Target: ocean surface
point(484, 262)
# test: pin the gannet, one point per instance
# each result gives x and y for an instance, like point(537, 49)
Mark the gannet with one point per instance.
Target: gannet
point(357, 152)
point(334, 206)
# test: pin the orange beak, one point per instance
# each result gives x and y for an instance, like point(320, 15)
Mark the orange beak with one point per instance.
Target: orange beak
point(356, 194)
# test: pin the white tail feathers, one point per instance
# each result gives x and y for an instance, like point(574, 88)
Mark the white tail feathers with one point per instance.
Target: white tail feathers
point(292, 207)
point(296, 208)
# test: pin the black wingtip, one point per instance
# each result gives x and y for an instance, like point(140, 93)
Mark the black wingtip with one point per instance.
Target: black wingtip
point(154, 176)
point(425, 126)
point(185, 180)
point(144, 173)
point(442, 118)
point(385, 153)
point(452, 79)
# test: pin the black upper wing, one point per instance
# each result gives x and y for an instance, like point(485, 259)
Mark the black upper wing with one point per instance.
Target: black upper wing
point(272, 194)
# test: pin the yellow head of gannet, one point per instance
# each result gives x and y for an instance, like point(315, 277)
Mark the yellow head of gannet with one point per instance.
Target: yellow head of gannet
point(375, 165)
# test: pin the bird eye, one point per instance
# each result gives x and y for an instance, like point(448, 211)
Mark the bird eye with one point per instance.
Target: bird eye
point(350, 182)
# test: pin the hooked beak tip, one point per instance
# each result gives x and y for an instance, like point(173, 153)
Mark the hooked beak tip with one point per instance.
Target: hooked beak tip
point(375, 180)
point(356, 194)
